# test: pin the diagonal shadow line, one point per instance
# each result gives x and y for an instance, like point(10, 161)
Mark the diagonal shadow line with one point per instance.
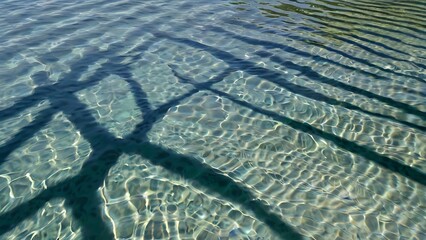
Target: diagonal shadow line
point(346, 32)
point(41, 120)
point(310, 73)
point(99, 138)
point(141, 98)
point(91, 131)
point(368, 63)
point(345, 19)
point(349, 10)
point(366, 48)
point(69, 81)
point(269, 75)
point(386, 162)
point(360, 7)
point(390, 38)
point(80, 116)
point(142, 129)
point(79, 194)
point(349, 32)
point(214, 180)
point(71, 106)
point(270, 45)
point(89, 179)
point(43, 117)
point(206, 176)
point(87, 133)
point(217, 79)
point(351, 57)
point(76, 71)
point(12, 218)
point(79, 67)
point(392, 30)
point(79, 191)
point(202, 178)
point(363, 39)
point(391, 7)
point(39, 95)
point(56, 98)
point(56, 89)
point(415, 10)
point(186, 166)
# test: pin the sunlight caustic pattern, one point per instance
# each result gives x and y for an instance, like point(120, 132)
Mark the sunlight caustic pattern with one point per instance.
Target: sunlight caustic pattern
point(223, 120)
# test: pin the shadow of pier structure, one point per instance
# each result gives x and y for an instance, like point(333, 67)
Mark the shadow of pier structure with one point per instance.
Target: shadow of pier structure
point(249, 67)
point(81, 191)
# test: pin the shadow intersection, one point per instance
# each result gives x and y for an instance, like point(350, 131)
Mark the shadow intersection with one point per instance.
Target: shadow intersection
point(370, 155)
point(80, 191)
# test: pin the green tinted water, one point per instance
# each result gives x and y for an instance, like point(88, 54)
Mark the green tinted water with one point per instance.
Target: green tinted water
point(212, 120)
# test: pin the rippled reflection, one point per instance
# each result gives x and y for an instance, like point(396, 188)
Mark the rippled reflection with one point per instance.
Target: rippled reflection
point(213, 120)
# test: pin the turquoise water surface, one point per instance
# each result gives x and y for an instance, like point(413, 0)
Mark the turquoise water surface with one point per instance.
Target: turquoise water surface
point(290, 119)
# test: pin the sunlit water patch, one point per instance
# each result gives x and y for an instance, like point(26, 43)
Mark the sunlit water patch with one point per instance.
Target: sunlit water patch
point(213, 119)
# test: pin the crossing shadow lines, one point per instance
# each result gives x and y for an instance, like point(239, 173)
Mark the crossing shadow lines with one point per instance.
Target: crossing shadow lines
point(80, 191)
point(370, 155)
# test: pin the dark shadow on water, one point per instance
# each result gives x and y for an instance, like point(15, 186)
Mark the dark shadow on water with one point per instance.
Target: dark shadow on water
point(337, 51)
point(276, 78)
point(25, 133)
point(271, 45)
point(80, 191)
point(80, 195)
point(313, 75)
point(69, 83)
point(215, 181)
point(365, 152)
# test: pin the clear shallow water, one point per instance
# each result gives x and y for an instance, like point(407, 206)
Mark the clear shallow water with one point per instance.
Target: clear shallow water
point(213, 120)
